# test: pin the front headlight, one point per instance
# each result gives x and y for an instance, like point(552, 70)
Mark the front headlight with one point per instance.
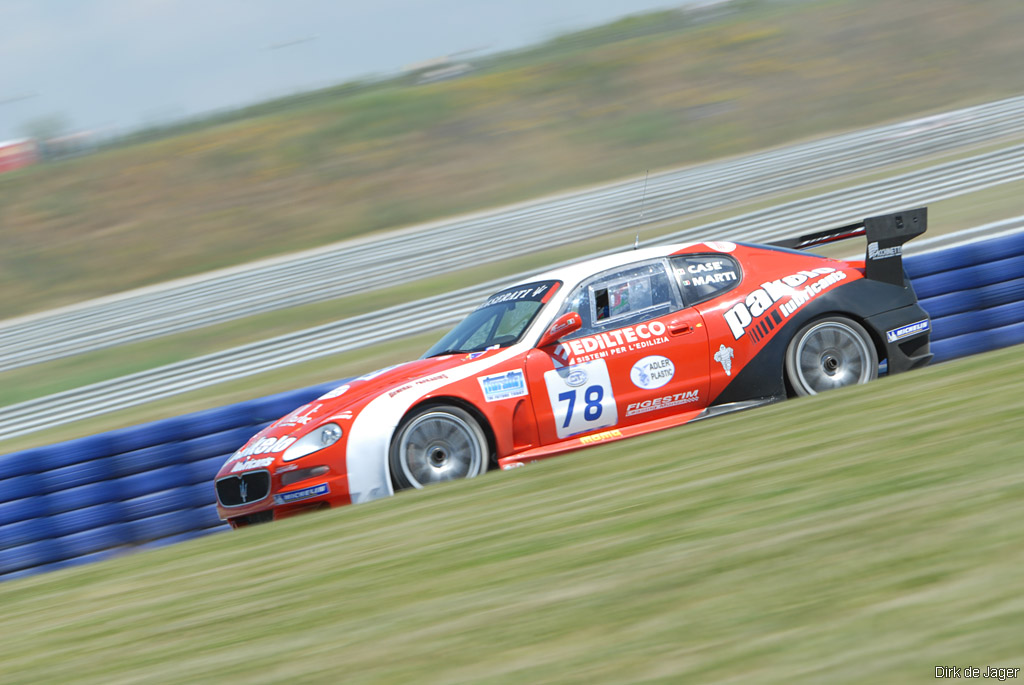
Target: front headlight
point(314, 441)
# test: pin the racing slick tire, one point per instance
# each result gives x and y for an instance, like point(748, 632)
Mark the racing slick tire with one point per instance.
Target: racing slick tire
point(829, 353)
point(436, 444)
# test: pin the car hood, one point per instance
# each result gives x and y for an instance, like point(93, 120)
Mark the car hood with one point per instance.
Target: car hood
point(341, 405)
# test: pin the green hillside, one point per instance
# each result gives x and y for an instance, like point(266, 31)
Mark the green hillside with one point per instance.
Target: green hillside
point(643, 93)
point(865, 536)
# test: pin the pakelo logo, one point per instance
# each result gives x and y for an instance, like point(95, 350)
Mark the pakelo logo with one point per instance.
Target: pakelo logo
point(263, 446)
point(762, 301)
point(652, 372)
point(600, 437)
point(907, 331)
point(885, 253)
point(503, 386)
point(665, 402)
point(602, 345)
point(252, 464)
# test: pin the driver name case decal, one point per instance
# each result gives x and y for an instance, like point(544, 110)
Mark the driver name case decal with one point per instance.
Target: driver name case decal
point(601, 345)
point(758, 315)
point(581, 398)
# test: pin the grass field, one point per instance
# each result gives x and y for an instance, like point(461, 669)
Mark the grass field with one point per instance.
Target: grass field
point(865, 536)
point(645, 93)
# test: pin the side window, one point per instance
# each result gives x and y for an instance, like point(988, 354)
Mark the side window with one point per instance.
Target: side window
point(622, 297)
point(702, 277)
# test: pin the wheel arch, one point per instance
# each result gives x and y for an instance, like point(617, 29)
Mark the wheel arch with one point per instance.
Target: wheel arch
point(452, 400)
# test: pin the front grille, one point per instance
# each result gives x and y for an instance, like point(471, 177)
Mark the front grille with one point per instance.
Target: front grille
point(235, 491)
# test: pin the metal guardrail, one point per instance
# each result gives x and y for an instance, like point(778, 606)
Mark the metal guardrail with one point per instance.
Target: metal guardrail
point(915, 188)
point(97, 497)
point(364, 265)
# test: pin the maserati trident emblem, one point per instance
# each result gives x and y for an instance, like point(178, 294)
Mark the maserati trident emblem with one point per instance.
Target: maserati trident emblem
point(243, 490)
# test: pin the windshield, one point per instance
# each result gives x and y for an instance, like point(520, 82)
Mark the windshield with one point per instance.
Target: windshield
point(498, 322)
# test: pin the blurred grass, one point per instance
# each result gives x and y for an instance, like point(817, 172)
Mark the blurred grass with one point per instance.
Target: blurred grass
point(643, 93)
point(64, 374)
point(870, 534)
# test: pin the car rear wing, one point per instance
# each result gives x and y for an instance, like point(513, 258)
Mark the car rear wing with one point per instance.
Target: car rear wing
point(886, 235)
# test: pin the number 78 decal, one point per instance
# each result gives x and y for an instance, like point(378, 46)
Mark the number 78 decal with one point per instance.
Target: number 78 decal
point(581, 398)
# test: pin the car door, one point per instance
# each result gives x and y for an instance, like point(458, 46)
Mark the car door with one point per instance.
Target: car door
point(639, 355)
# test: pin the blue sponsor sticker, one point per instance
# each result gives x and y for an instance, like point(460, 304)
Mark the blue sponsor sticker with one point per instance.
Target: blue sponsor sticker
point(503, 386)
point(305, 493)
point(907, 331)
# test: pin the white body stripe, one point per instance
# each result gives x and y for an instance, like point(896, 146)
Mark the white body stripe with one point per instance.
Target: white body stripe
point(370, 435)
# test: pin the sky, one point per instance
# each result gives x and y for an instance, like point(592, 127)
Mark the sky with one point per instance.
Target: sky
point(119, 65)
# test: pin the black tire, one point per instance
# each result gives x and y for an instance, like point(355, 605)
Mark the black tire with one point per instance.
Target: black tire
point(437, 444)
point(830, 353)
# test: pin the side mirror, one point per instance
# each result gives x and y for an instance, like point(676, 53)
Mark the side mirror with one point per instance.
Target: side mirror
point(567, 323)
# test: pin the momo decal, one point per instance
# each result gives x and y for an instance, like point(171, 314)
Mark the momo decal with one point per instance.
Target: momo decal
point(503, 386)
point(652, 372)
point(757, 315)
point(252, 464)
point(665, 402)
point(600, 345)
point(600, 437)
point(305, 493)
point(907, 331)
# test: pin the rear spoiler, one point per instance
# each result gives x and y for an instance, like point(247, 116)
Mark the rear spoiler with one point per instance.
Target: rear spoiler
point(886, 235)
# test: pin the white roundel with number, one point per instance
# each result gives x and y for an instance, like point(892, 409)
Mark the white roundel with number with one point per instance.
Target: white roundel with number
point(578, 406)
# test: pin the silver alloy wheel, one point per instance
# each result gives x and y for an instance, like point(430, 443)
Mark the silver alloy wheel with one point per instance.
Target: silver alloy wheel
point(828, 354)
point(437, 445)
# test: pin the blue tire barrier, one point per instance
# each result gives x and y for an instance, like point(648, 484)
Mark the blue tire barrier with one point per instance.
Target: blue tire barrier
point(23, 509)
point(978, 298)
point(78, 520)
point(25, 531)
point(20, 487)
point(83, 496)
point(152, 485)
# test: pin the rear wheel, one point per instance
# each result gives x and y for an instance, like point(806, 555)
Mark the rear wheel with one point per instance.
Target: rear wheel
point(830, 353)
point(437, 444)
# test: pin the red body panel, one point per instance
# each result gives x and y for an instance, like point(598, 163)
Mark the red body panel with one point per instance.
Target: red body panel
point(646, 376)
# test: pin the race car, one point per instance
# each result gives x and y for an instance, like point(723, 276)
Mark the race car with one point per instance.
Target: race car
point(592, 353)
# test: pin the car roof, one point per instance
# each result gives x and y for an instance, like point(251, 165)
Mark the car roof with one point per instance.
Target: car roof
point(572, 274)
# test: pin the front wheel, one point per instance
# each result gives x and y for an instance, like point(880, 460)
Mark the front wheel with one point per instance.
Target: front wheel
point(437, 444)
point(830, 353)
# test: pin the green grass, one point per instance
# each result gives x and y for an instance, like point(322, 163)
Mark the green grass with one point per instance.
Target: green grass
point(865, 536)
point(607, 103)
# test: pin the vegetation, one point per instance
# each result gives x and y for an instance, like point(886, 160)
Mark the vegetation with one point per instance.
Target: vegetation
point(639, 94)
point(872, 533)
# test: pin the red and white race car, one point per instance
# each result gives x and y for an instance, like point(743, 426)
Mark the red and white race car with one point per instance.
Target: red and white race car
point(591, 353)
